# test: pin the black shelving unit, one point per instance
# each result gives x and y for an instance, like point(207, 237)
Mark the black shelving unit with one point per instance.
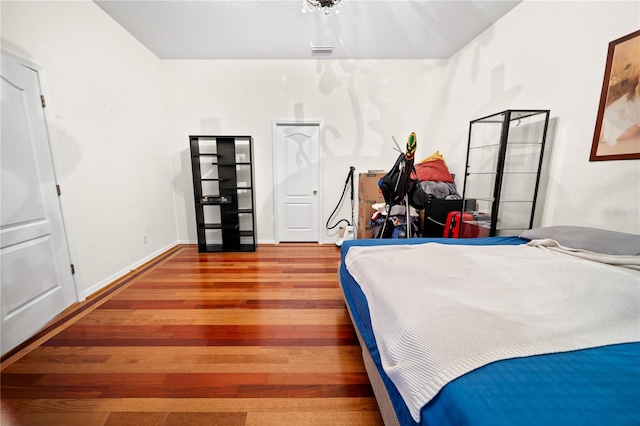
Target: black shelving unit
point(222, 168)
point(504, 161)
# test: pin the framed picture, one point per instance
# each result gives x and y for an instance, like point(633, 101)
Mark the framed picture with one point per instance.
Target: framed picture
point(617, 132)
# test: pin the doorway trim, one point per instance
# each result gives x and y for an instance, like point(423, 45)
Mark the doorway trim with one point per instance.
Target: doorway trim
point(283, 123)
point(42, 81)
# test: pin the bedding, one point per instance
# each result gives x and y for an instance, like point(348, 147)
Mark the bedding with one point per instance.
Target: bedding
point(626, 261)
point(589, 239)
point(492, 391)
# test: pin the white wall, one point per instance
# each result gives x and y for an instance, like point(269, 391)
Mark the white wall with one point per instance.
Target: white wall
point(542, 55)
point(123, 143)
point(549, 55)
point(362, 105)
point(105, 95)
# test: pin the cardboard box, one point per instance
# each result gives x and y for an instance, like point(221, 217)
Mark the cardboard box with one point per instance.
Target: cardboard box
point(364, 232)
point(365, 211)
point(368, 194)
point(368, 188)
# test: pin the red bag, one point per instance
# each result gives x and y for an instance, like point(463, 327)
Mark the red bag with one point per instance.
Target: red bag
point(434, 170)
point(452, 225)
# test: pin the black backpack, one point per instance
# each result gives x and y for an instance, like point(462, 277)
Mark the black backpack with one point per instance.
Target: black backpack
point(398, 182)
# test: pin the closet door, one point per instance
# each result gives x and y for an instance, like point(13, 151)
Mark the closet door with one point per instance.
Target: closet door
point(297, 182)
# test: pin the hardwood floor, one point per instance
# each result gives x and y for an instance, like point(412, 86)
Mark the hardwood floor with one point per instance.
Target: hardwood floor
point(257, 338)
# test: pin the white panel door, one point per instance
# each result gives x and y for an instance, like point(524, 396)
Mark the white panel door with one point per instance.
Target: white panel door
point(297, 179)
point(37, 283)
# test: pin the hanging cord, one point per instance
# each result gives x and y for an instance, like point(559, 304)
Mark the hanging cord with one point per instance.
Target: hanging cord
point(346, 184)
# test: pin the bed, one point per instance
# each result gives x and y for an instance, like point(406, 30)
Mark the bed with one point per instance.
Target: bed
point(588, 379)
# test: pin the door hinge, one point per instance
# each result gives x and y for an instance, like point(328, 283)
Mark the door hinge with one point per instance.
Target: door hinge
point(58, 190)
point(73, 269)
point(42, 101)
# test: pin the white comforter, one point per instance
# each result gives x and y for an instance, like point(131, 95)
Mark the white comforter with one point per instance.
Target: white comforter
point(439, 311)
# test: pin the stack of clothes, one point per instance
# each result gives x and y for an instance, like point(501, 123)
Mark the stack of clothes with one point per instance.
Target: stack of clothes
point(439, 185)
point(397, 220)
point(435, 179)
point(442, 197)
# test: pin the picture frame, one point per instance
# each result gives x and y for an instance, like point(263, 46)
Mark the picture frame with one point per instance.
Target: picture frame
point(617, 131)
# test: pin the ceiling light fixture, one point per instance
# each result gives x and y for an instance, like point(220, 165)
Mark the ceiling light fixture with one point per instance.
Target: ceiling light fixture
point(324, 5)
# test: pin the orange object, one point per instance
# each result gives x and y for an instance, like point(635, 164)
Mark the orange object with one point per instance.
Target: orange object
point(434, 170)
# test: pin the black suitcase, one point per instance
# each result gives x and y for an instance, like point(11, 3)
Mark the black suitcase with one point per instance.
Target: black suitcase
point(436, 212)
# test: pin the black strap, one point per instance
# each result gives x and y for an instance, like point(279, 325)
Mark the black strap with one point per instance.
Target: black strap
point(346, 184)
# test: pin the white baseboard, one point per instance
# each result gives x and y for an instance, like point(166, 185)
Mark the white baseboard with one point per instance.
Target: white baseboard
point(110, 279)
point(266, 241)
point(102, 284)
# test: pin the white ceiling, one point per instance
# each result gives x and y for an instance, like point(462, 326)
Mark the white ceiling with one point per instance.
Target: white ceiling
point(277, 29)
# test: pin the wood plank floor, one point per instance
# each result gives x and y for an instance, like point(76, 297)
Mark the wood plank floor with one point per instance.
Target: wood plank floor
point(258, 338)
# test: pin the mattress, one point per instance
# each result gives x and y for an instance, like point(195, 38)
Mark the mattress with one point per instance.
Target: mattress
point(590, 386)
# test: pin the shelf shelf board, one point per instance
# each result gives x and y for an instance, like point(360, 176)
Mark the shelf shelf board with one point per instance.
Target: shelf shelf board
point(484, 146)
point(499, 226)
point(491, 145)
point(512, 228)
point(503, 173)
point(471, 197)
point(491, 200)
point(479, 223)
point(239, 211)
point(213, 204)
point(219, 225)
point(223, 247)
point(520, 173)
point(211, 225)
point(523, 143)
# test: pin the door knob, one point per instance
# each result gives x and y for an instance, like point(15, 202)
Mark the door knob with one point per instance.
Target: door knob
point(315, 192)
